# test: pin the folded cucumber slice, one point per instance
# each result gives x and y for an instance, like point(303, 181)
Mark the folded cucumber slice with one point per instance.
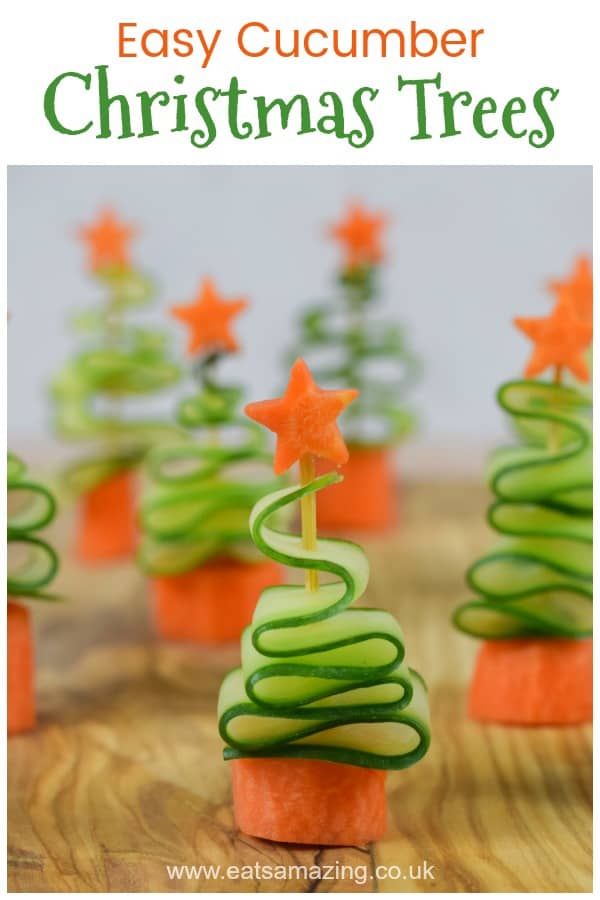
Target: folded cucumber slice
point(538, 580)
point(321, 679)
point(345, 347)
point(125, 361)
point(32, 562)
point(198, 494)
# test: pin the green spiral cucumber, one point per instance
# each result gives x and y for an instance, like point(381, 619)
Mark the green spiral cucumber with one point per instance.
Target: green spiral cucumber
point(123, 361)
point(32, 562)
point(538, 580)
point(343, 347)
point(321, 679)
point(199, 492)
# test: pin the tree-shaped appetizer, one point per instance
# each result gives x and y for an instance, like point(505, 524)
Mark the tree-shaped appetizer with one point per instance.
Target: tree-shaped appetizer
point(32, 564)
point(349, 347)
point(323, 703)
point(120, 360)
point(534, 591)
point(207, 576)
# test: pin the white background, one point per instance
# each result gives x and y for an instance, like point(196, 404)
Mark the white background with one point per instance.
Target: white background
point(526, 45)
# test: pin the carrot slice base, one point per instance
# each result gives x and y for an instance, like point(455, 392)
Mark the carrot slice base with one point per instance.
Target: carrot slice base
point(533, 681)
point(20, 670)
point(107, 522)
point(306, 801)
point(214, 602)
point(366, 500)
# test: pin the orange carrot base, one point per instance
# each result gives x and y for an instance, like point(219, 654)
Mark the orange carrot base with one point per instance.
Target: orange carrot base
point(107, 520)
point(213, 603)
point(533, 681)
point(20, 671)
point(366, 500)
point(307, 801)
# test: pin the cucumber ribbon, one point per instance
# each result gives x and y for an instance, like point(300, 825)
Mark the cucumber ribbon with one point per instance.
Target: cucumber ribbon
point(538, 581)
point(320, 679)
point(123, 361)
point(32, 562)
point(345, 348)
point(199, 493)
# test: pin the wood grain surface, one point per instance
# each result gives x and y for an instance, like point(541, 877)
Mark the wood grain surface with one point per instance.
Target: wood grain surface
point(124, 775)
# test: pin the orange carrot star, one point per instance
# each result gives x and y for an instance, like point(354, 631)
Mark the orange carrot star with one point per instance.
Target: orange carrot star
point(580, 289)
point(108, 241)
point(209, 319)
point(560, 340)
point(304, 420)
point(360, 236)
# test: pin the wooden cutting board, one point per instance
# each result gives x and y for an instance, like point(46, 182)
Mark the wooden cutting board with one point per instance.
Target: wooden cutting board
point(124, 775)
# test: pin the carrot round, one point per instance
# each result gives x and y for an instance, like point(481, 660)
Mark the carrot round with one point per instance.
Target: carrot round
point(20, 670)
point(214, 602)
point(308, 801)
point(107, 523)
point(533, 681)
point(366, 499)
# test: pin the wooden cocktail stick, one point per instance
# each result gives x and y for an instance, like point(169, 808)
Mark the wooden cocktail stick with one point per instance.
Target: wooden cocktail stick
point(308, 516)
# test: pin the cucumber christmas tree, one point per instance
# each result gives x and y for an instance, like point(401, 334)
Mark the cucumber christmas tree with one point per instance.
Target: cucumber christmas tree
point(32, 564)
point(206, 574)
point(533, 591)
point(118, 361)
point(344, 332)
point(323, 703)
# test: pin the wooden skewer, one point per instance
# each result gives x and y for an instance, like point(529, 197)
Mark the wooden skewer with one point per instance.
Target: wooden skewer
point(308, 516)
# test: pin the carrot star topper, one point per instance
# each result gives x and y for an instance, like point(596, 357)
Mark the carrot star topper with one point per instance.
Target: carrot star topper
point(209, 318)
point(108, 241)
point(304, 420)
point(359, 233)
point(560, 340)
